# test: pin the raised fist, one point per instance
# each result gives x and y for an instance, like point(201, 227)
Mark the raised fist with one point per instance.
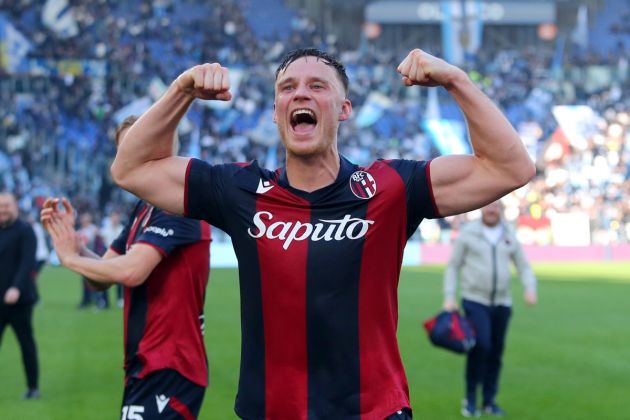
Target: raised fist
point(421, 68)
point(206, 81)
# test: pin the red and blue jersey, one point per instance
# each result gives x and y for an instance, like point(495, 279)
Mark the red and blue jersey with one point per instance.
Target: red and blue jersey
point(164, 315)
point(318, 276)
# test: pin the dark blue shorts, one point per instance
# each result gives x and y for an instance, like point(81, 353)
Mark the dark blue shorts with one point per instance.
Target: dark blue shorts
point(403, 414)
point(164, 394)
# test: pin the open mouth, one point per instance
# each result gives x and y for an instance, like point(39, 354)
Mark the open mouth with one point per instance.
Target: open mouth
point(303, 120)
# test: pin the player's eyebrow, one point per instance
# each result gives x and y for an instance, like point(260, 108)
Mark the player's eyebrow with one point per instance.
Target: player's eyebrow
point(293, 79)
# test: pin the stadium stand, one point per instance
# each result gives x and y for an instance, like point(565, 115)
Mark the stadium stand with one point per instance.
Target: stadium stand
point(65, 82)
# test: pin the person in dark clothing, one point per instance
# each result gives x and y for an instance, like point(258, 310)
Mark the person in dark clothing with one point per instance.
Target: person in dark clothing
point(90, 236)
point(17, 285)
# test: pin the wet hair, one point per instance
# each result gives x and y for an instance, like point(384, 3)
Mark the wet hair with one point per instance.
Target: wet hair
point(125, 124)
point(326, 58)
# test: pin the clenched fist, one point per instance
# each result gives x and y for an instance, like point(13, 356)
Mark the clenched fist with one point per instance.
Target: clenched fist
point(421, 68)
point(206, 81)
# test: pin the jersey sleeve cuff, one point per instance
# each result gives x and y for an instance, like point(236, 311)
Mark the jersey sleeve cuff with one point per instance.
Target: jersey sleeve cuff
point(431, 195)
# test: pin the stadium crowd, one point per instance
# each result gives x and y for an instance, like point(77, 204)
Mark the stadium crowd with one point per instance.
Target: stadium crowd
point(59, 113)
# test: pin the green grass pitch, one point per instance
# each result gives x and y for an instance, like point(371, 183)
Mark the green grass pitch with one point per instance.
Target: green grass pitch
point(566, 358)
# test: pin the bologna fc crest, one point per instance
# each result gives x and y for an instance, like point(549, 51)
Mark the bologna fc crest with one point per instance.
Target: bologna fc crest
point(362, 185)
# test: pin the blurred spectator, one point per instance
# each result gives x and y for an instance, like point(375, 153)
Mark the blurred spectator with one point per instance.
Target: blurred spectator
point(90, 237)
point(112, 226)
point(43, 252)
point(18, 292)
point(56, 115)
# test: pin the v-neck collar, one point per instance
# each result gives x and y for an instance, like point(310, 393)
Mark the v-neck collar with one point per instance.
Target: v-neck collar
point(346, 168)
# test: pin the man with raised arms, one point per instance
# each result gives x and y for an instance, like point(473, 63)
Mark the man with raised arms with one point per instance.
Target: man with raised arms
point(320, 241)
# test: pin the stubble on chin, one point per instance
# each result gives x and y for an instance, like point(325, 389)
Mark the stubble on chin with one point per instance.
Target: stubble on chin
point(7, 223)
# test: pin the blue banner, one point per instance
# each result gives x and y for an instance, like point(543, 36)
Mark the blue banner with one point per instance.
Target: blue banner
point(13, 46)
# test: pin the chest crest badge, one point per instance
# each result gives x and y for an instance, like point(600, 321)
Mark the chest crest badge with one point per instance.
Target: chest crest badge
point(362, 185)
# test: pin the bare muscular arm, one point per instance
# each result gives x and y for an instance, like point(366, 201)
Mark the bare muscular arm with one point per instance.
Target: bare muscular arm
point(499, 163)
point(145, 164)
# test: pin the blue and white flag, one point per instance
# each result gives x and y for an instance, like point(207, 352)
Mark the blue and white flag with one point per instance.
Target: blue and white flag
point(13, 46)
point(448, 136)
point(58, 17)
point(462, 29)
point(373, 108)
point(580, 32)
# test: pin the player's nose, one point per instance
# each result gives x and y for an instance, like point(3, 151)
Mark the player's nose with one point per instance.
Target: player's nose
point(301, 91)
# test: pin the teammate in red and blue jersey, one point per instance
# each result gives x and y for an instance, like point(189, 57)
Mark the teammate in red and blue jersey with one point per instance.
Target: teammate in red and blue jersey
point(163, 261)
point(320, 241)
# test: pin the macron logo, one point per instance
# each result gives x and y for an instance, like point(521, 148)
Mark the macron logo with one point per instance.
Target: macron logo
point(161, 401)
point(263, 186)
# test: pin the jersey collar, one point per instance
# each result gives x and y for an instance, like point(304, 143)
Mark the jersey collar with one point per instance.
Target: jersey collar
point(346, 168)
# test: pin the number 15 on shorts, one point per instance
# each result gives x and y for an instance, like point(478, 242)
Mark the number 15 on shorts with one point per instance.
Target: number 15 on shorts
point(132, 412)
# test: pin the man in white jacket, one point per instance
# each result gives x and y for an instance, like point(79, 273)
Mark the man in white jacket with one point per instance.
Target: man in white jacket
point(481, 258)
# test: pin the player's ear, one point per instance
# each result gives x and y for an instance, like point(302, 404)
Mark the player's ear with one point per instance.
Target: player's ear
point(346, 110)
point(275, 115)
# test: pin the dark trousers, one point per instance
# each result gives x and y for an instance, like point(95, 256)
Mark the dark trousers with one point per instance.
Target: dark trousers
point(483, 363)
point(91, 296)
point(20, 318)
point(39, 264)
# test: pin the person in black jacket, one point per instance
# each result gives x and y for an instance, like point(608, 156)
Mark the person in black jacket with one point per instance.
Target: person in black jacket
point(18, 293)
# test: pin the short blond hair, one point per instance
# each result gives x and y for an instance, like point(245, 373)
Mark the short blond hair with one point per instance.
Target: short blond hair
point(125, 124)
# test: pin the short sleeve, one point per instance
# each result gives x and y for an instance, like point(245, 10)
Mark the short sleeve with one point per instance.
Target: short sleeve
point(120, 243)
point(416, 176)
point(166, 232)
point(207, 195)
point(417, 179)
point(421, 191)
